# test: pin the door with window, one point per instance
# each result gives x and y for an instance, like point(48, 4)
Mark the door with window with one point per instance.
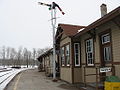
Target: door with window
point(105, 49)
point(106, 56)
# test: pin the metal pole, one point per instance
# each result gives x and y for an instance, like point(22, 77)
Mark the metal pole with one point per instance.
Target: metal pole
point(52, 7)
point(53, 22)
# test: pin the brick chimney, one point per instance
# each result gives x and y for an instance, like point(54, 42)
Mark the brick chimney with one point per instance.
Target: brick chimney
point(103, 8)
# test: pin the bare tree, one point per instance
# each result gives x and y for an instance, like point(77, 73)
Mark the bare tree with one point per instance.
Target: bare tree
point(13, 54)
point(29, 57)
point(34, 56)
point(2, 54)
point(25, 55)
point(39, 52)
point(8, 52)
point(8, 56)
point(19, 54)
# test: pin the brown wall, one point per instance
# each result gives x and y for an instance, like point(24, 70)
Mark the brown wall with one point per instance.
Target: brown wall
point(78, 75)
point(116, 48)
point(66, 72)
point(115, 37)
point(116, 43)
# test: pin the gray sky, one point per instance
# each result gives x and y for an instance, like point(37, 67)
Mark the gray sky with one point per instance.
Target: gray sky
point(25, 23)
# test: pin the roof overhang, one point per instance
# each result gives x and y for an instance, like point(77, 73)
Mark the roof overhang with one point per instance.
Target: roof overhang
point(102, 20)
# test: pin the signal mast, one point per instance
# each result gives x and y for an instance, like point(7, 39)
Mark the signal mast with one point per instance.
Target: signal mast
point(52, 7)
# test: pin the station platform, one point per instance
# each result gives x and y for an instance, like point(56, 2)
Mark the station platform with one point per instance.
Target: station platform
point(34, 80)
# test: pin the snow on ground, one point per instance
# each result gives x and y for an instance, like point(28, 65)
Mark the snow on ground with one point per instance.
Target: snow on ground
point(7, 75)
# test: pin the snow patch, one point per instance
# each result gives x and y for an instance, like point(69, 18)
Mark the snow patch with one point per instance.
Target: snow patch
point(7, 76)
point(81, 30)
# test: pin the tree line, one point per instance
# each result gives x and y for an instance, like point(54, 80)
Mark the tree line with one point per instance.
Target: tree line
point(13, 57)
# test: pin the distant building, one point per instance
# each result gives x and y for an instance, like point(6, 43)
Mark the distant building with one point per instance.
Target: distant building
point(46, 60)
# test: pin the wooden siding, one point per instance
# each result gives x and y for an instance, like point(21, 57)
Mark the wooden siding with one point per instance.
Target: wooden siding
point(65, 74)
point(116, 43)
point(78, 75)
point(115, 37)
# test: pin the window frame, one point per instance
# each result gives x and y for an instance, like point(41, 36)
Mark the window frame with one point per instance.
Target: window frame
point(88, 53)
point(108, 54)
point(62, 52)
point(106, 45)
point(65, 55)
point(79, 62)
point(106, 37)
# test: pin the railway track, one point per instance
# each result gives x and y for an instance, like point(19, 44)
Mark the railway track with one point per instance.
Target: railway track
point(5, 69)
point(6, 75)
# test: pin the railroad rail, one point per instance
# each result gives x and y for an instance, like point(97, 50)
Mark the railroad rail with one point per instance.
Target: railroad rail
point(6, 75)
point(5, 69)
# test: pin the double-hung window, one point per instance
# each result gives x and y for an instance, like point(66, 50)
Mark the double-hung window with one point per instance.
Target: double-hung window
point(67, 54)
point(77, 54)
point(89, 52)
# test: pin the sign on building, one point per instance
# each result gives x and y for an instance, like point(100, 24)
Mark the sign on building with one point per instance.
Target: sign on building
point(105, 69)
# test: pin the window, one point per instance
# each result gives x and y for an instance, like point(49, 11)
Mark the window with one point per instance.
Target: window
point(107, 53)
point(77, 54)
point(62, 57)
point(67, 53)
point(89, 52)
point(105, 38)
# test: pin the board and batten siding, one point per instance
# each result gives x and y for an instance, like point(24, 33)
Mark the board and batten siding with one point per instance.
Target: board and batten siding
point(116, 48)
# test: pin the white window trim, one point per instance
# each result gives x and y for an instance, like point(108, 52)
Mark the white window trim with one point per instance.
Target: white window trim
point(62, 55)
point(78, 54)
point(108, 54)
point(90, 64)
point(104, 36)
point(68, 54)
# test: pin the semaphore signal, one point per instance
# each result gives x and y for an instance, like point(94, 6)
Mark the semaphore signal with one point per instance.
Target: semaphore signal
point(52, 6)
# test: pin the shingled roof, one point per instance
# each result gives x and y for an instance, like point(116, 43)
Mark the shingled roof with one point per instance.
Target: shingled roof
point(67, 29)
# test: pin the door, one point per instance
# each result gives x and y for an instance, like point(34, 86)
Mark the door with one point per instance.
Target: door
point(106, 56)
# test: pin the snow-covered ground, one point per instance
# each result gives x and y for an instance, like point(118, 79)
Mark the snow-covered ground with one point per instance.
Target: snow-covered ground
point(8, 74)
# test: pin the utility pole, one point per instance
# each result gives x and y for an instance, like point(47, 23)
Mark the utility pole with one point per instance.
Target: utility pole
point(52, 7)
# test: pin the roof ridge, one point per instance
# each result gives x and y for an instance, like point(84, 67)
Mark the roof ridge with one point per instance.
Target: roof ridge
point(70, 25)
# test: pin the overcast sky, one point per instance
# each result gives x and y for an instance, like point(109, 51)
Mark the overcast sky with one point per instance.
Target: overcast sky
point(25, 23)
